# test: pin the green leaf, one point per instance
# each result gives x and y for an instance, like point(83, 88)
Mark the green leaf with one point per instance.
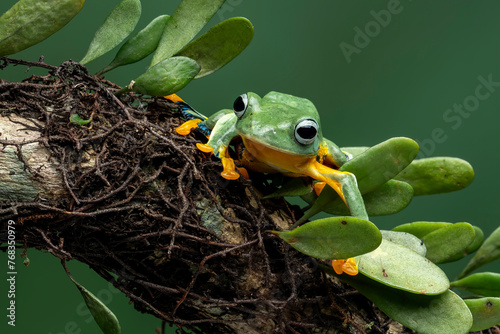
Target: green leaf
point(189, 18)
point(437, 314)
point(402, 268)
point(354, 150)
point(420, 229)
point(485, 312)
point(139, 46)
point(29, 22)
point(478, 241)
point(473, 246)
point(103, 316)
point(297, 186)
point(75, 118)
point(483, 284)
point(445, 243)
point(489, 251)
point(391, 197)
point(117, 26)
point(437, 175)
point(333, 238)
point(405, 239)
point(381, 162)
point(166, 77)
point(219, 45)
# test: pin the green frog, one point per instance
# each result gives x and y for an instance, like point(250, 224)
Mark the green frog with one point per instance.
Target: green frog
point(278, 133)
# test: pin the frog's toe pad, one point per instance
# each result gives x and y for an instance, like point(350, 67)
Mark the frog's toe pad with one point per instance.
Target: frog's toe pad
point(348, 266)
point(229, 171)
point(185, 128)
point(230, 175)
point(174, 98)
point(204, 148)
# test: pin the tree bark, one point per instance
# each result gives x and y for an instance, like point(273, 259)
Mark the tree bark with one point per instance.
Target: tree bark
point(150, 213)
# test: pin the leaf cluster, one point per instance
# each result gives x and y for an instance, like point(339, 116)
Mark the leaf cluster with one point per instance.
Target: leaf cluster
point(399, 268)
point(177, 58)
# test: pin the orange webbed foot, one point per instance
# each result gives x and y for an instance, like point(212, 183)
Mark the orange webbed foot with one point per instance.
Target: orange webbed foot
point(348, 266)
point(185, 128)
point(204, 148)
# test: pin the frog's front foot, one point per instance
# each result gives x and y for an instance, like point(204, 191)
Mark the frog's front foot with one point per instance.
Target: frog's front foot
point(229, 169)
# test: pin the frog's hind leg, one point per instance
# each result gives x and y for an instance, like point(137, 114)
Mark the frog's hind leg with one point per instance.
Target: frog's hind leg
point(193, 118)
point(343, 183)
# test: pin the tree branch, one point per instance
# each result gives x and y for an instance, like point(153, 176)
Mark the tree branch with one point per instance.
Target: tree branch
point(150, 213)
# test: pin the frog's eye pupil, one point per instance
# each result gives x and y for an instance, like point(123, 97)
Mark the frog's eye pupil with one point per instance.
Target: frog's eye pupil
point(240, 105)
point(306, 131)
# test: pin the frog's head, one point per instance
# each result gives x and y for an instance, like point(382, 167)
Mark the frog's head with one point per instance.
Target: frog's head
point(280, 121)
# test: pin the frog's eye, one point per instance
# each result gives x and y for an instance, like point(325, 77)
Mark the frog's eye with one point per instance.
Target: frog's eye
point(240, 105)
point(306, 131)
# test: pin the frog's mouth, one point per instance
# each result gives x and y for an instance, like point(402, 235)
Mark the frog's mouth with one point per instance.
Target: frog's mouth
point(264, 159)
point(268, 159)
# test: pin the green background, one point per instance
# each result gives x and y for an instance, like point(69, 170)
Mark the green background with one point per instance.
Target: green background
point(400, 82)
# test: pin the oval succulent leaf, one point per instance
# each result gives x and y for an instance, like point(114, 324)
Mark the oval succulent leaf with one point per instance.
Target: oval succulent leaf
point(333, 238)
point(437, 175)
point(437, 314)
point(445, 243)
point(104, 317)
point(188, 19)
point(485, 312)
point(139, 46)
point(166, 77)
point(390, 198)
point(478, 240)
point(117, 26)
point(221, 44)
point(420, 229)
point(354, 151)
point(483, 284)
point(402, 268)
point(406, 240)
point(474, 245)
point(29, 22)
point(489, 251)
point(381, 162)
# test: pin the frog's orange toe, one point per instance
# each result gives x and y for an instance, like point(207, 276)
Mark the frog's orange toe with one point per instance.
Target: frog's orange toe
point(337, 266)
point(204, 148)
point(348, 266)
point(230, 175)
point(185, 128)
point(243, 172)
point(173, 98)
point(229, 171)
